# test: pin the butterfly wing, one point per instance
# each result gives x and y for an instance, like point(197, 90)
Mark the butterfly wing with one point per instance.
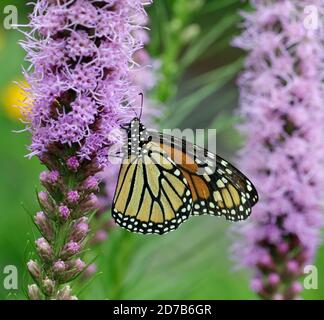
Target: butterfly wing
point(152, 194)
point(217, 187)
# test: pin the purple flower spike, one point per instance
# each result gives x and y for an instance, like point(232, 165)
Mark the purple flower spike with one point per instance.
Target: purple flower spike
point(82, 66)
point(281, 96)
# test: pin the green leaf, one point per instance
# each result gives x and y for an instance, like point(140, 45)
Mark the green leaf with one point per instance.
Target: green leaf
point(207, 40)
point(212, 81)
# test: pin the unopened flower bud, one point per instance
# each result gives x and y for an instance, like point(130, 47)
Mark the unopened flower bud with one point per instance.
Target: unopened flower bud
point(79, 231)
point(44, 249)
point(283, 248)
point(292, 267)
point(73, 197)
point(65, 293)
point(100, 236)
point(46, 202)
point(256, 285)
point(45, 225)
point(64, 212)
point(33, 292)
point(89, 204)
point(79, 265)
point(49, 286)
point(73, 164)
point(70, 249)
point(265, 262)
point(91, 183)
point(59, 266)
point(43, 177)
point(273, 279)
point(53, 177)
point(34, 270)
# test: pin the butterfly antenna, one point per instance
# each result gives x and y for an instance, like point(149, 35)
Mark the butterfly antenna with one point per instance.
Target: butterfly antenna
point(142, 102)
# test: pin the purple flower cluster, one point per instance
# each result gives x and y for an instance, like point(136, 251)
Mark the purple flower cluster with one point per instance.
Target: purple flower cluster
point(82, 67)
point(282, 101)
point(81, 55)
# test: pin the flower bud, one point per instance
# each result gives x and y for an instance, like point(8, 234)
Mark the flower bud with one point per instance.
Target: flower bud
point(265, 262)
point(43, 177)
point(99, 237)
point(293, 291)
point(49, 286)
point(34, 270)
point(273, 279)
point(64, 212)
point(282, 248)
point(89, 204)
point(292, 267)
point(91, 183)
point(70, 249)
point(256, 285)
point(79, 231)
point(33, 292)
point(45, 225)
point(73, 164)
point(59, 266)
point(79, 265)
point(53, 176)
point(44, 249)
point(73, 197)
point(65, 293)
point(73, 269)
point(46, 202)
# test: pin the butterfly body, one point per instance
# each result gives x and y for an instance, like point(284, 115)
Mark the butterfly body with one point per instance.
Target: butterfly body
point(164, 180)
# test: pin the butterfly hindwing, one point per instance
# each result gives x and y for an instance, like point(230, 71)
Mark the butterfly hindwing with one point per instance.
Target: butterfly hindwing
point(152, 195)
point(217, 187)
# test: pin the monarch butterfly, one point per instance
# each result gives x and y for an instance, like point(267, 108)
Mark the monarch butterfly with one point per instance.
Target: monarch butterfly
point(163, 180)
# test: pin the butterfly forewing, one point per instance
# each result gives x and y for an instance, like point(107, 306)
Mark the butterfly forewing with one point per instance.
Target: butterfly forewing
point(152, 194)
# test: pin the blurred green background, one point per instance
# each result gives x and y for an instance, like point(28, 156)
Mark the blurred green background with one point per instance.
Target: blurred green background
point(191, 39)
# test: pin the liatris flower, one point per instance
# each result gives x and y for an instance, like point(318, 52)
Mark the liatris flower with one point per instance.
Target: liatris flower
point(80, 78)
point(282, 100)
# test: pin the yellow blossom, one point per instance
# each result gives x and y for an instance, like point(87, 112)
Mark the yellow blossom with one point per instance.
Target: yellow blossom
point(15, 100)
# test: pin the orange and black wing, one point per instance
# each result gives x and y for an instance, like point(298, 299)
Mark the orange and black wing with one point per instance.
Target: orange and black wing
point(217, 187)
point(152, 194)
